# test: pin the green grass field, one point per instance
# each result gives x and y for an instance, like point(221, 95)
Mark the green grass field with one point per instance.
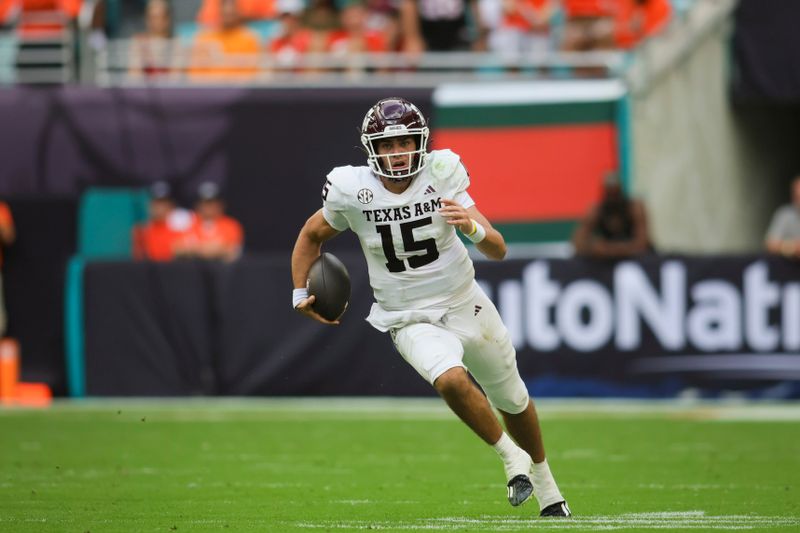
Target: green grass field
point(394, 465)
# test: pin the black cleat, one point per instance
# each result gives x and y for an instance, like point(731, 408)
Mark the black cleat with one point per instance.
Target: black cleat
point(556, 509)
point(520, 489)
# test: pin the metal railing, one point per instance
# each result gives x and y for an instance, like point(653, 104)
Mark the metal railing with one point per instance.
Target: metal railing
point(111, 65)
point(174, 62)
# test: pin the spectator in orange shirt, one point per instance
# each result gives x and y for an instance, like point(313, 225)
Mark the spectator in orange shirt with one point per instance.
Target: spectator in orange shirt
point(9, 10)
point(12, 8)
point(68, 9)
point(517, 27)
point(589, 25)
point(294, 39)
point(355, 38)
point(638, 19)
point(156, 239)
point(213, 235)
point(210, 14)
point(229, 52)
point(7, 236)
point(384, 16)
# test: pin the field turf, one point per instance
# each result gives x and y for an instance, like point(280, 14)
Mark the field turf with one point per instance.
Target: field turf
point(394, 465)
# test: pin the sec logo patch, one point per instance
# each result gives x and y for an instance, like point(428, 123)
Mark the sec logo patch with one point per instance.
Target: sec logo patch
point(364, 196)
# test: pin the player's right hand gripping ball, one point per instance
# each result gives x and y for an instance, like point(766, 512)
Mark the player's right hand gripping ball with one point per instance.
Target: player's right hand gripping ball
point(329, 282)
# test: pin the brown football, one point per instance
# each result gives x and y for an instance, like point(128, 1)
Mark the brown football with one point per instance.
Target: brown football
point(329, 282)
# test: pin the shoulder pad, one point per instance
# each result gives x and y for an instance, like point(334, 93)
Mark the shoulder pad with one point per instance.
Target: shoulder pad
point(443, 163)
point(446, 169)
point(334, 190)
point(343, 178)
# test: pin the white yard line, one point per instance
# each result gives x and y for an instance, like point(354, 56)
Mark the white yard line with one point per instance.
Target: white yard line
point(660, 520)
point(226, 409)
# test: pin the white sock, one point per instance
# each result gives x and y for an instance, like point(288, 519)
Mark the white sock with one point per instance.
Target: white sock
point(544, 485)
point(515, 460)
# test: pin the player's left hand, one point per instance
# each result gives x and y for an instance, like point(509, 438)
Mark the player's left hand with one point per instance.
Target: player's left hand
point(306, 308)
point(456, 215)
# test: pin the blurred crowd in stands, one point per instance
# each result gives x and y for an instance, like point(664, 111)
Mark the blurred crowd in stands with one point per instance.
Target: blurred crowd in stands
point(233, 37)
point(173, 232)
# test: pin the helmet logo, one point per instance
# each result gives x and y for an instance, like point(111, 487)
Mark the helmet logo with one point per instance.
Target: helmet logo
point(365, 124)
point(364, 196)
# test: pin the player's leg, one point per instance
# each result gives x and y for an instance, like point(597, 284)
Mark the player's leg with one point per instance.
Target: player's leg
point(472, 407)
point(436, 354)
point(468, 403)
point(491, 358)
point(525, 429)
point(506, 391)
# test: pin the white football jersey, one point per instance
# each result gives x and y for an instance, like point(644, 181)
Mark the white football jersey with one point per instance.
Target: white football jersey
point(415, 259)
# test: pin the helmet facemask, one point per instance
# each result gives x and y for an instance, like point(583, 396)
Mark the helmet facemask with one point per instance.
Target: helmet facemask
point(395, 117)
point(417, 157)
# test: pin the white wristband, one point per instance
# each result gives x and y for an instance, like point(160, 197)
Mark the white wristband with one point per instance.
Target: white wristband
point(298, 295)
point(477, 234)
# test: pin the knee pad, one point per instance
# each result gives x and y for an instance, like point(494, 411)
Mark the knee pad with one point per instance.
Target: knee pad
point(509, 395)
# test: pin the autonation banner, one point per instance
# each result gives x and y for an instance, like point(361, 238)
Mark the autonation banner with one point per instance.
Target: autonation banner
point(657, 326)
point(668, 323)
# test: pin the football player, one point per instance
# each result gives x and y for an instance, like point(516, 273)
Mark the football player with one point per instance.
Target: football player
point(405, 206)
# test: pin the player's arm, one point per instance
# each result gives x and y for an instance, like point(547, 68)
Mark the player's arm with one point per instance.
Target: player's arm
point(476, 227)
point(307, 248)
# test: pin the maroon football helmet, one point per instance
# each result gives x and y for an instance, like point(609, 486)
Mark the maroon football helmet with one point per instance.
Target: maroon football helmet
point(395, 117)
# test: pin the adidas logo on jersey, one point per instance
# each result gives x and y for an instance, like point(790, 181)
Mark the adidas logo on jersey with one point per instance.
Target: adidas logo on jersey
point(477, 310)
point(429, 190)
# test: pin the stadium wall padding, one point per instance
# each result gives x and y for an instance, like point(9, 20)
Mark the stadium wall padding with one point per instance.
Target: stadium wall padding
point(34, 270)
point(204, 328)
point(659, 326)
